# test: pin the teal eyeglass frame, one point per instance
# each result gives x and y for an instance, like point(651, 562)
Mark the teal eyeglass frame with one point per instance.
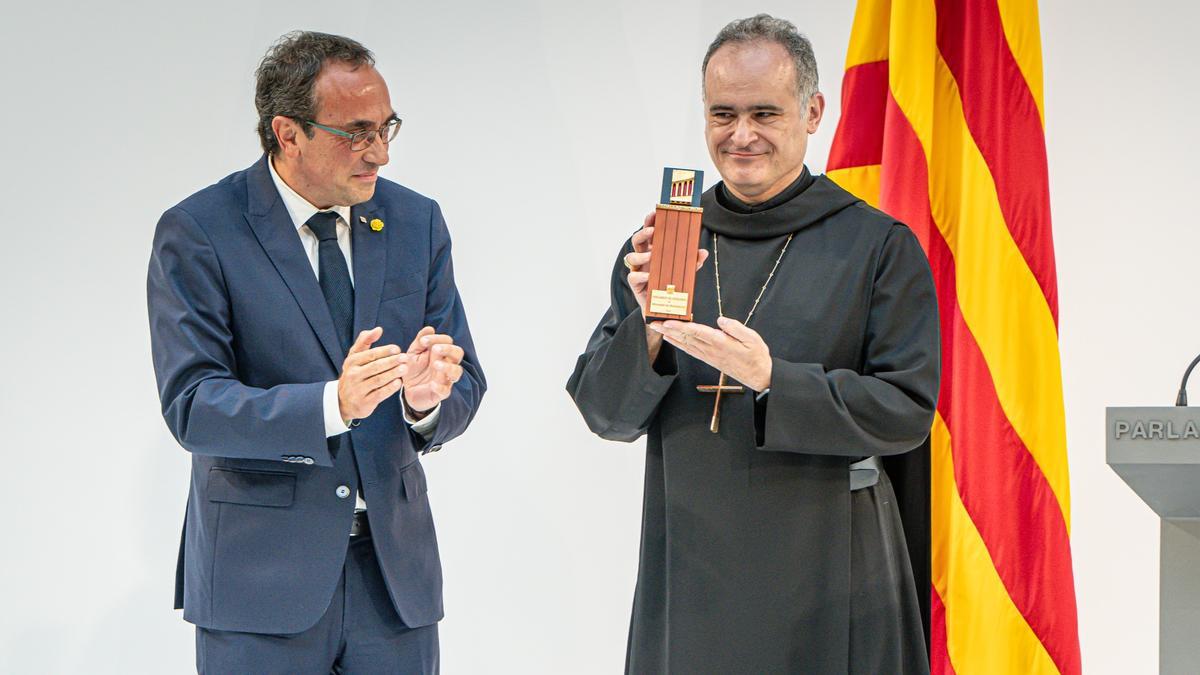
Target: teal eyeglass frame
point(367, 135)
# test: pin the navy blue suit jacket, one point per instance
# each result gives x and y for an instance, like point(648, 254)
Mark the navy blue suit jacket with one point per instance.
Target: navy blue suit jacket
point(243, 345)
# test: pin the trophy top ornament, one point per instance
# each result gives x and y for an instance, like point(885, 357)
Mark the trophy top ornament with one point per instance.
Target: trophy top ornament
point(681, 188)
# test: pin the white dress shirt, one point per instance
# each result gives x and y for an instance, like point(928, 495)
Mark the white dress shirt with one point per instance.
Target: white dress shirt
point(301, 210)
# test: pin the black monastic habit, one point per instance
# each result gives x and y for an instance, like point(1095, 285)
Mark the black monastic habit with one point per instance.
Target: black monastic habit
point(756, 556)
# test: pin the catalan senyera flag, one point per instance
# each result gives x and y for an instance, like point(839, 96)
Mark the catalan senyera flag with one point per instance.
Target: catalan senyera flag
point(943, 127)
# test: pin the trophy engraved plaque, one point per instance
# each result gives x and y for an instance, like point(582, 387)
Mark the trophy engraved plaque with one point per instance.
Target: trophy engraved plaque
point(674, 246)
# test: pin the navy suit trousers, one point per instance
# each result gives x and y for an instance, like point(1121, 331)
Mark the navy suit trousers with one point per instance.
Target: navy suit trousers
point(360, 633)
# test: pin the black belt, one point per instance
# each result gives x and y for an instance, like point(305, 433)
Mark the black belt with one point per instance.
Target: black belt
point(360, 526)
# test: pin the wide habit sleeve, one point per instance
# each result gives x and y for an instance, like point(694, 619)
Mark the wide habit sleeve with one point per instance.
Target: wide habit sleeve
point(888, 407)
point(614, 385)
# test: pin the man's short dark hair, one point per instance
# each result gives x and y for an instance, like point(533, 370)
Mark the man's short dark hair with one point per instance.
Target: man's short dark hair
point(766, 28)
point(286, 78)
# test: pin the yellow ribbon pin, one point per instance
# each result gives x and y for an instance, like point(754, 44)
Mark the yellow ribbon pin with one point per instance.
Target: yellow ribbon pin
point(377, 224)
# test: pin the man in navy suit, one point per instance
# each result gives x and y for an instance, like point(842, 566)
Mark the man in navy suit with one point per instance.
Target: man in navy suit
point(310, 345)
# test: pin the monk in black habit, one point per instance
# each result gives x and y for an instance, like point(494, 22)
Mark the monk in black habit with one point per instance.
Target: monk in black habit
point(776, 544)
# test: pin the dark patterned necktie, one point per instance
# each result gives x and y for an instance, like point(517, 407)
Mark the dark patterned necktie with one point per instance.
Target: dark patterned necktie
point(334, 276)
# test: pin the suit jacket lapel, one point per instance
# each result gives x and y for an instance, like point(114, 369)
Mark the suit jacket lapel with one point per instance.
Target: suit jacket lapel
point(370, 259)
point(269, 220)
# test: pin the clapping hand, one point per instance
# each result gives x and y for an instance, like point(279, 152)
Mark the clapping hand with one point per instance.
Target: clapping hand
point(434, 364)
point(369, 375)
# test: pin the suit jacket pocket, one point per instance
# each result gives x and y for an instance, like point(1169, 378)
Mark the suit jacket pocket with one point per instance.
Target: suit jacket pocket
point(400, 286)
point(413, 479)
point(254, 488)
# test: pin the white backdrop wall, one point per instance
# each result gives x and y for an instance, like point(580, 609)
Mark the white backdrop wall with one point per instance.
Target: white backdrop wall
point(541, 127)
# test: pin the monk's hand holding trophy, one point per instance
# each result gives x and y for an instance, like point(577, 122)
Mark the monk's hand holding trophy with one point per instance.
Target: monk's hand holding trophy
point(665, 256)
point(732, 348)
point(434, 365)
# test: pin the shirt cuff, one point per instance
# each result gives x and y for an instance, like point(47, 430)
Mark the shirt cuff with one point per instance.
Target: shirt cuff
point(333, 412)
point(426, 424)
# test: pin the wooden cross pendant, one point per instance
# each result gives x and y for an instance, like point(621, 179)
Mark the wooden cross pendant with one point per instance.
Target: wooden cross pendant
point(719, 388)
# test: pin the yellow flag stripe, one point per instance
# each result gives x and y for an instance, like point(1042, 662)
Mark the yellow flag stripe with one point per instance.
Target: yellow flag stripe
point(869, 36)
point(860, 181)
point(1022, 30)
point(985, 632)
point(998, 295)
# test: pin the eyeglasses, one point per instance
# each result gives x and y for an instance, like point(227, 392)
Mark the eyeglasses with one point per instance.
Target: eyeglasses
point(362, 139)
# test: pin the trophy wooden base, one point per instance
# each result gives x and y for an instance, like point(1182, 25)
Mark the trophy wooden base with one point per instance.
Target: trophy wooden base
point(673, 258)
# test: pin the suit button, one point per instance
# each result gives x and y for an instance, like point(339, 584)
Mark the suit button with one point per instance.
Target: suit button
point(342, 492)
point(309, 460)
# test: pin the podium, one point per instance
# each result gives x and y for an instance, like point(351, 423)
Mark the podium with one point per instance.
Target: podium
point(1156, 451)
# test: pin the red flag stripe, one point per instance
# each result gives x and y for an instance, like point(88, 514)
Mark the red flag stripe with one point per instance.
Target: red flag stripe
point(1011, 503)
point(1005, 123)
point(939, 659)
point(859, 137)
point(997, 475)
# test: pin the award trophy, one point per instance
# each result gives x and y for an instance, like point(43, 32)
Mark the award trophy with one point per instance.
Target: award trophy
point(674, 246)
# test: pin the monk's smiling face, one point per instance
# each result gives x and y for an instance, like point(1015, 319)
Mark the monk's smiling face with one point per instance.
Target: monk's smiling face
point(757, 127)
